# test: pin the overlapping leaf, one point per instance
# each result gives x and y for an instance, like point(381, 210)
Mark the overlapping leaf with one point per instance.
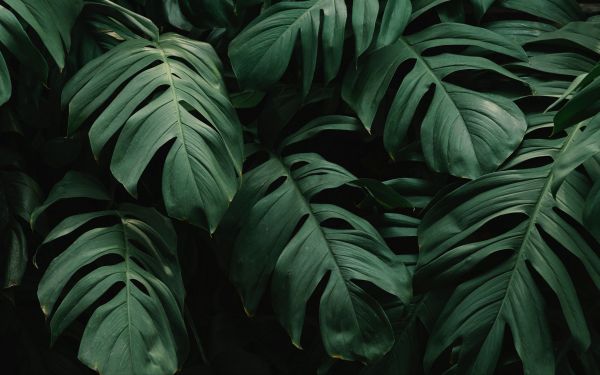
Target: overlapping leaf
point(261, 53)
point(521, 31)
point(558, 11)
point(404, 358)
point(561, 57)
point(584, 101)
point(164, 93)
point(507, 295)
point(140, 328)
point(281, 234)
point(51, 20)
point(19, 195)
point(574, 34)
point(464, 132)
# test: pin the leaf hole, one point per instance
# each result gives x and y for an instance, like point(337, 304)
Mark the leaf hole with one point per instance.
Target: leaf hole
point(495, 227)
point(336, 223)
point(275, 185)
point(299, 225)
point(140, 286)
point(297, 165)
point(386, 103)
point(256, 159)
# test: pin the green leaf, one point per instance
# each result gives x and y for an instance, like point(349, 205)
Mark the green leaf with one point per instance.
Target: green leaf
point(421, 7)
point(520, 31)
point(14, 38)
point(73, 185)
point(281, 233)
point(394, 20)
point(164, 93)
point(140, 328)
point(456, 118)
point(592, 210)
point(586, 144)
point(246, 99)
point(583, 105)
point(584, 35)
point(52, 20)
point(487, 300)
point(410, 322)
point(565, 63)
point(175, 15)
point(363, 12)
point(480, 7)
point(550, 73)
point(16, 256)
point(385, 195)
point(558, 11)
point(127, 19)
point(320, 125)
point(399, 225)
point(261, 53)
point(19, 195)
point(5, 85)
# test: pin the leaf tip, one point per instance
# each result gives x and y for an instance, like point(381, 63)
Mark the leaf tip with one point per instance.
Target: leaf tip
point(11, 283)
point(297, 345)
point(248, 313)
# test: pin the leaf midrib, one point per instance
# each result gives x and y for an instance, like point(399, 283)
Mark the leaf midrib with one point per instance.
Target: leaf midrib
point(127, 259)
point(169, 74)
point(546, 189)
point(320, 230)
point(439, 83)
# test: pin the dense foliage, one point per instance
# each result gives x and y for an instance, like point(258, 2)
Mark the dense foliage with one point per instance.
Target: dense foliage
point(362, 187)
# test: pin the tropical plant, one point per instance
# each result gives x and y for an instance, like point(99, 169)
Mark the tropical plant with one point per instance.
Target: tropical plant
point(300, 187)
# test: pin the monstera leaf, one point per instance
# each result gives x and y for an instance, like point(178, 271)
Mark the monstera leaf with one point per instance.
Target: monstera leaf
point(585, 145)
point(284, 236)
point(574, 34)
point(139, 329)
point(584, 102)
point(163, 92)
point(580, 39)
point(559, 59)
point(558, 11)
point(408, 319)
point(19, 195)
point(51, 20)
point(592, 209)
point(520, 31)
point(464, 132)
point(410, 322)
point(260, 54)
point(506, 295)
